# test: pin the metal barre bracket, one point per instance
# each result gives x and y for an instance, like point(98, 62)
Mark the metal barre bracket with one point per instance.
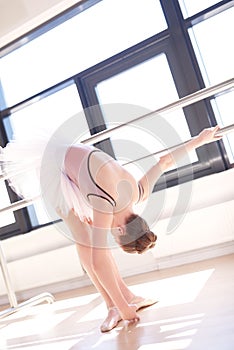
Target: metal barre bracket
point(14, 306)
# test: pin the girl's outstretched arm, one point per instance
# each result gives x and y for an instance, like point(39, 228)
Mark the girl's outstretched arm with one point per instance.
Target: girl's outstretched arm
point(171, 159)
point(205, 136)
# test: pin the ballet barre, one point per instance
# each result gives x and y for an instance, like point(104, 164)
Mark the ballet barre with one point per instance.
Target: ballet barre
point(26, 202)
point(181, 103)
point(19, 204)
point(14, 305)
point(221, 132)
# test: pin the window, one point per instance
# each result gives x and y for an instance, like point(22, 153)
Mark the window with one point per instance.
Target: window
point(94, 35)
point(121, 53)
point(213, 48)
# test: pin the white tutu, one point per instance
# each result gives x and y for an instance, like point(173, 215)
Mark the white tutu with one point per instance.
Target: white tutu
point(21, 161)
point(34, 167)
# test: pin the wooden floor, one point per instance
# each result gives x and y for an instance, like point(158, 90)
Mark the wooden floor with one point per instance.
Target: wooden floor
point(195, 311)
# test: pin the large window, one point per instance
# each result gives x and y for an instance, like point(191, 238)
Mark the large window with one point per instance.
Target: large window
point(121, 53)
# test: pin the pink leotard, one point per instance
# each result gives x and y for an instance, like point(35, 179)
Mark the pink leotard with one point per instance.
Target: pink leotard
point(78, 184)
point(77, 168)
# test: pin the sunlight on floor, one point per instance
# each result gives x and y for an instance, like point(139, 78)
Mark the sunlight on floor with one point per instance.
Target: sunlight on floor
point(40, 324)
point(178, 345)
point(170, 291)
point(176, 326)
point(182, 327)
point(175, 290)
point(185, 320)
point(52, 344)
point(73, 321)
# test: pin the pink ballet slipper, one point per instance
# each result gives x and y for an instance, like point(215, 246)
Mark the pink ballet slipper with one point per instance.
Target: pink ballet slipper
point(112, 320)
point(142, 303)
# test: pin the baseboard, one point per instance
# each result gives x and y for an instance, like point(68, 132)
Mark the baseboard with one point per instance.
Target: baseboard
point(196, 255)
point(183, 258)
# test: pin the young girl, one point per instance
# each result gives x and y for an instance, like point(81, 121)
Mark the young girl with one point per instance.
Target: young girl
point(101, 196)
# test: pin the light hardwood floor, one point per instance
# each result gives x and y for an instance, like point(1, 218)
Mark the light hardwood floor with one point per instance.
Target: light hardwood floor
point(195, 312)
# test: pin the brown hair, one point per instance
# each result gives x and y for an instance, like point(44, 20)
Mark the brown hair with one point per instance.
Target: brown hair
point(138, 237)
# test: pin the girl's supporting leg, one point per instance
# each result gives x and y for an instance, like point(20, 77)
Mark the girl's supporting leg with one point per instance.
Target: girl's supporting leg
point(81, 232)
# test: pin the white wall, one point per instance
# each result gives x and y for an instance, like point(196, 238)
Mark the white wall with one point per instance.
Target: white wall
point(17, 17)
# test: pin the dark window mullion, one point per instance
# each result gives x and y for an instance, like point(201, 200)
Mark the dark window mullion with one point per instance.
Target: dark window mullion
point(182, 48)
point(188, 78)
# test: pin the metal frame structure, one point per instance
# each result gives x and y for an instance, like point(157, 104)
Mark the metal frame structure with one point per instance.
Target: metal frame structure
point(185, 101)
point(14, 305)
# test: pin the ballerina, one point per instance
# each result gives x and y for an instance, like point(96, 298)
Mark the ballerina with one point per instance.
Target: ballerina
point(101, 196)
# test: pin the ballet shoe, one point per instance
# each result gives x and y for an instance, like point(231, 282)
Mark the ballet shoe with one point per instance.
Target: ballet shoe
point(111, 321)
point(141, 304)
point(113, 317)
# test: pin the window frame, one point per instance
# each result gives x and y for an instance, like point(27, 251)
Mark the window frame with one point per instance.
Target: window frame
point(131, 57)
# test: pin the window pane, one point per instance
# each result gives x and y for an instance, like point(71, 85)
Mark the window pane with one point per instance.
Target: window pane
point(223, 106)
point(140, 86)
point(214, 50)
point(191, 7)
point(46, 113)
point(44, 116)
point(88, 38)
